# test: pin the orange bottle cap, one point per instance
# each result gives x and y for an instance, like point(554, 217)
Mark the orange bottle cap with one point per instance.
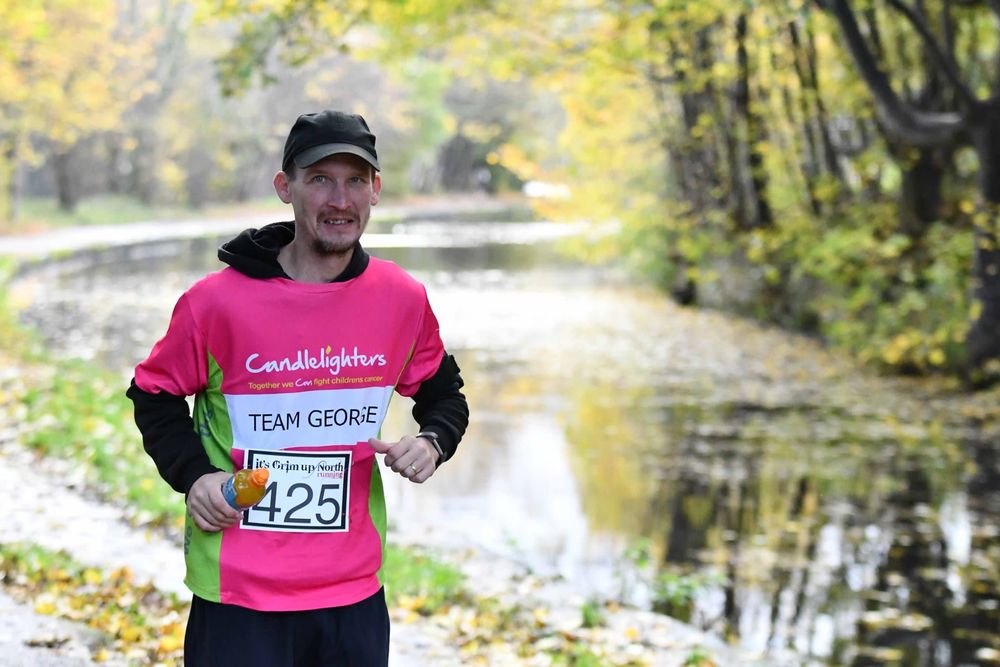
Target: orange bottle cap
point(259, 477)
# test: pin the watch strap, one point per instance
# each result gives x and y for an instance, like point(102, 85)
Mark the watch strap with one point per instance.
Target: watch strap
point(432, 438)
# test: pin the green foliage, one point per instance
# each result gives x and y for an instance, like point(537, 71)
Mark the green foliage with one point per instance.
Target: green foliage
point(12, 336)
point(639, 554)
point(896, 302)
point(68, 75)
point(420, 582)
point(592, 614)
point(673, 247)
point(578, 655)
point(81, 414)
point(33, 561)
point(699, 657)
point(674, 593)
point(836, 257)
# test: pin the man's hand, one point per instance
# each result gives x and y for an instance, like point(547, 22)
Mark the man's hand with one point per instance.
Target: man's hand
point(413, 458)
point(207, 505)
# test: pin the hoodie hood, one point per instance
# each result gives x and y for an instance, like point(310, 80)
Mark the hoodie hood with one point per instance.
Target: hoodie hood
point(254, 252)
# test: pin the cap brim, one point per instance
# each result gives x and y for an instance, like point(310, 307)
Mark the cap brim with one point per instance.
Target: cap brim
point(313, 155)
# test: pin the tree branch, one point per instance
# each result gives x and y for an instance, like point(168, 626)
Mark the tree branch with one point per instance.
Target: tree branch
point(874, 34)
point(948, 29)
point(976, 3)
point(941, 58)
point(920, 128)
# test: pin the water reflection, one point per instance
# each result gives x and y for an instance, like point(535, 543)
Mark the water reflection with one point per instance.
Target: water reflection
point(830, 513)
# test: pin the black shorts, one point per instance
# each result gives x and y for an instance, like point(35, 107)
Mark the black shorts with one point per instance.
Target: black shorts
point(353, 636)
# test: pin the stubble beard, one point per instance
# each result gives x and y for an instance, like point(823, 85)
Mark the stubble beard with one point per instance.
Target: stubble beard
point(331, 248)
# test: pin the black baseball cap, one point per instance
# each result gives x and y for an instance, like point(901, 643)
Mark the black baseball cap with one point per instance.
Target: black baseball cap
point(315, 136)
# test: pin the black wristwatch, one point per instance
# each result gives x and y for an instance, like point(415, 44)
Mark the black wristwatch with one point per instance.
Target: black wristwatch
point(432, 437)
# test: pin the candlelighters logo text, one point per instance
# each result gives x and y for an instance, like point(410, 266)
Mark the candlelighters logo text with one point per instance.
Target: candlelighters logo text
point(306, 359)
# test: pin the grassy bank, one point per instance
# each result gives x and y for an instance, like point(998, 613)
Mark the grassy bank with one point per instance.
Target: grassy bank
point(39, 214)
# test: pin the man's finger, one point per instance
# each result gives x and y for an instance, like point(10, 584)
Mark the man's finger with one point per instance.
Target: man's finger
point(204, 523)
point(380, 446)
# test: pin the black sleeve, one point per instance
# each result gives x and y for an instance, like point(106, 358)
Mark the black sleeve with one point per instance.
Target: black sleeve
point(440, 406)
point(168, 436)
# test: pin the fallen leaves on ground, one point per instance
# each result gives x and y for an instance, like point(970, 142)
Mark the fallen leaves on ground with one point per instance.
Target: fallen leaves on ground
point(147, 626)
point(139, 621)
point(489, 632)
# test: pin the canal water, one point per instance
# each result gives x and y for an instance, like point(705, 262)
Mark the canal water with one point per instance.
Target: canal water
point(738, 477)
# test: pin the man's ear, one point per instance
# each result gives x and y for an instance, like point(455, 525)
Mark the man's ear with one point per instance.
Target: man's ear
point(281, 187)
point(376, 188)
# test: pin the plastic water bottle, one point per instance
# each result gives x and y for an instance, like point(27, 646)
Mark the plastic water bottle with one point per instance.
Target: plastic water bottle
point(245, 488)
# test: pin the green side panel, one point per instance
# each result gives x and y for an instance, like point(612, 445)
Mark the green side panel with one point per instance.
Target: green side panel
point(211, 419)
point(376, 510)
point(201, 549)
point(201, 555)
point(376, 495)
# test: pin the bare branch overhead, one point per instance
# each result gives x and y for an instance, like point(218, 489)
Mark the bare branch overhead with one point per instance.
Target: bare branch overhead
point(919, 128)
point(941, 57)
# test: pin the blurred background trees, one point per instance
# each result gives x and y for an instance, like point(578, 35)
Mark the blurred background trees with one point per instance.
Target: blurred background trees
point(828, 166)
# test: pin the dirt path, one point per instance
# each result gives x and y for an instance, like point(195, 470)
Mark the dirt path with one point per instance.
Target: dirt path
point(28, 639)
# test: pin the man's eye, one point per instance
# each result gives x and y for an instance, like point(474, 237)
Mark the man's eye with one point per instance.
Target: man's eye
point(319, 178)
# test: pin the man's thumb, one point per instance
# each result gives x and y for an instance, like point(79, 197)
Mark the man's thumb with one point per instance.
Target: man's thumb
point(379, 446)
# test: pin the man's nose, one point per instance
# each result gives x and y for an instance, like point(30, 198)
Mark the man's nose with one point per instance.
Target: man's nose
point(337, 196)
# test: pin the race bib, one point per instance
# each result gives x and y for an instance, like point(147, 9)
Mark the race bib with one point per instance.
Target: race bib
point(307, 492)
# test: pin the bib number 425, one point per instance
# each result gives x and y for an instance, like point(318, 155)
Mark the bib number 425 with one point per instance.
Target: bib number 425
point(306, 492)
point(302, 513)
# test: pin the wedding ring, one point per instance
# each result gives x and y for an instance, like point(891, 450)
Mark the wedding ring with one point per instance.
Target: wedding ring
point(413, 469)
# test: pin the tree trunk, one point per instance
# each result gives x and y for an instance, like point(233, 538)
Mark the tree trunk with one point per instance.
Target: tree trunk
point(813, 161)
point(14, 187)
point(142, 175)
point(10, 182)
point(756, 133)
point(67, 179)
point(982, 343)
point(807, 172)
point(700, 175)
point(920, 196)
point(199, 170)
point(822, 116)
point(456, 162)
point(115, 182)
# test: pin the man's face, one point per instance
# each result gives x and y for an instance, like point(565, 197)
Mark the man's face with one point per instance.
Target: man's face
point(332, 201)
